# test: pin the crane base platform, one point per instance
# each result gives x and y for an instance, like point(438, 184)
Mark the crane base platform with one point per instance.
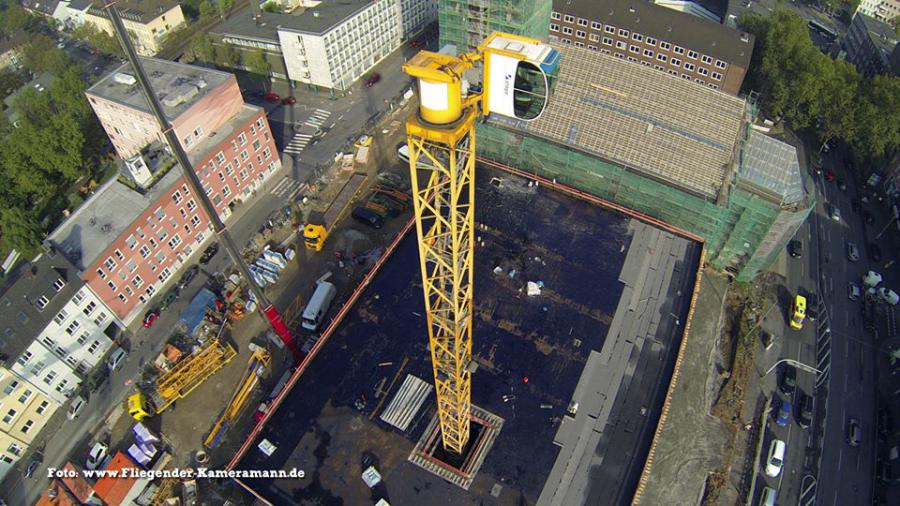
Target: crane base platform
point(461, 469)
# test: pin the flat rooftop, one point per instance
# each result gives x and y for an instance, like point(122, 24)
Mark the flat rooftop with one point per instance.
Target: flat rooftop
point(177, 85)
point(313, 20)
point(101, 219)
point(534, 355)
point(662, 126)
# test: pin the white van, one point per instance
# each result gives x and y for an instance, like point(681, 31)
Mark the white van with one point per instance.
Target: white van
point(318, 305)
point(889, 296)
point(767, 498)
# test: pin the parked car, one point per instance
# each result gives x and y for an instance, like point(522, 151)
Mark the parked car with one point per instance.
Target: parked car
point(795, 248)
point(805, 411)
point(32, 467)
point(870, 219)
point(150, 318)
point(170, 297)
point(788, 380)
point(853, 291)
point(373, 79)
point(874, 252)
point(852, 252)
point(116, 359)
point(833, 212)
point(368, 217)
point(812, 306)
point(188, 276)
point(75, 408)
point(289, 101)
point(209, 253)
point(96, 456)
point(775, 460)
point(783, 414)
point(272, 97)
point(841, 185)
point(884, 422)
point(829, 175)
point(854, 433)
point(768, 494)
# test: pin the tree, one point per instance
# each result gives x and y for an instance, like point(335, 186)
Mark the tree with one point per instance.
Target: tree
point(224, 7)
point(255, 62)
point(207, 10)
point(226, 56)
point(202, 49)
point(878, 117)
point(839, 102)
point(97, 39)
point(20, 229)
point(14, 19)
point(42, 55)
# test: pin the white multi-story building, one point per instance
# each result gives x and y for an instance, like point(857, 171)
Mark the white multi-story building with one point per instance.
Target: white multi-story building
point(882, 10)
point(326, 44)
point(334, 44)
point(417, 14)
point(54, 328)
point(23, 413)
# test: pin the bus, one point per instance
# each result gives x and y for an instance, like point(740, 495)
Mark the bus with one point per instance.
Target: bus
point(823, 30)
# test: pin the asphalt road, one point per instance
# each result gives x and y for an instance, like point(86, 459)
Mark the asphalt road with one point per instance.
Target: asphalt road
point(844, 473)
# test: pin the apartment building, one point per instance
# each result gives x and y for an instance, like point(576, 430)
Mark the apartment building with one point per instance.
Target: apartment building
point(326, 44)
point(417, 14)
point(870, 44)
point(24, 410)
point(60, 328)
point(149, 21)
point(882, 10)
point(135, 232)
point(674, 42)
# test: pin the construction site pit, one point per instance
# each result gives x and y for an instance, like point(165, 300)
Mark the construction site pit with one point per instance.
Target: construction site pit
point(579, 313)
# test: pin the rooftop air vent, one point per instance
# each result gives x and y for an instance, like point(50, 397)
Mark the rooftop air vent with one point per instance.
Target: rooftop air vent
point(123, 78)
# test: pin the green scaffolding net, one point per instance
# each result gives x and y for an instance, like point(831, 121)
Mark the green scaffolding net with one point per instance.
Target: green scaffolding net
point(467, 23)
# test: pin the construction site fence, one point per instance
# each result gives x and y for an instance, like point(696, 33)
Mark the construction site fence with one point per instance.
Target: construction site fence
point(732, 233)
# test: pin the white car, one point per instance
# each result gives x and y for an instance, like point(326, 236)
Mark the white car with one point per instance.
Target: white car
point(116, 359)
point(889, 296)
point(833, 212)
point(75, 408)
point(853, 291)
point(852, 252)
point(776, 458)
point(96, 456)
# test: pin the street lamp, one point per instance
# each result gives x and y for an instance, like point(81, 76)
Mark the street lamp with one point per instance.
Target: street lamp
point(795, 363)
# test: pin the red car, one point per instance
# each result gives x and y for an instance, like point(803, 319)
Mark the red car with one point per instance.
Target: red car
point(289, 101)
point(272, 97)
point(374, 78)
point(416, 43)
point(829, 175)
point(150, 317)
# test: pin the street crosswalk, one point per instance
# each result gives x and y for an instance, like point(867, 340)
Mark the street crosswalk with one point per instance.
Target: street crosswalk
point(300, 140)
point(297, 144)
point(287, 188)
point(317, 118)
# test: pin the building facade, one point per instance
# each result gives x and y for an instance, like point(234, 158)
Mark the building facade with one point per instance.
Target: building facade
point(466, 23)
point(882, 10)
point(417, 14)
point(870, 44)
point(24, 411)
point(132, 236)
point(667, 40)
point(148, 21)
point(325, 44)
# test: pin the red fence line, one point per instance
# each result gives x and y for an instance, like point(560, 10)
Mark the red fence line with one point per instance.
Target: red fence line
point(321, 342)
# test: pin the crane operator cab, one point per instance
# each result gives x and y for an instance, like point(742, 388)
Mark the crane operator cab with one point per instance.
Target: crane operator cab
point(519, 75)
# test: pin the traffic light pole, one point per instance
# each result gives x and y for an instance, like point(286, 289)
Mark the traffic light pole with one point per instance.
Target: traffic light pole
point(273, 316)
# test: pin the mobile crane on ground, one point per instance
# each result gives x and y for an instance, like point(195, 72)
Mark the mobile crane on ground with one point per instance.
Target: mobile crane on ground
point(320, 223)
point(179, 381)
point(256, 367)
point(518, 75)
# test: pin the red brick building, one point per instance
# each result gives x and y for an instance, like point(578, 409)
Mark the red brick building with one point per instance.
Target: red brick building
point(136, 232)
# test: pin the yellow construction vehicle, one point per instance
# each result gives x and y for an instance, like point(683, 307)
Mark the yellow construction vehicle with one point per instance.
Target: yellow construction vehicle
point(256, 367)
point(518, 77)
point(320, 223)
point(186, 375)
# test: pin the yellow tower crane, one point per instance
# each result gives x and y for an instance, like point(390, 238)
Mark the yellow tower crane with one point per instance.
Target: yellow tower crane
point(517, 78)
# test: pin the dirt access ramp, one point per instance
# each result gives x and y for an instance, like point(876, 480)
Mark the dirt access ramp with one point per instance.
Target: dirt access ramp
point(691, 441)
